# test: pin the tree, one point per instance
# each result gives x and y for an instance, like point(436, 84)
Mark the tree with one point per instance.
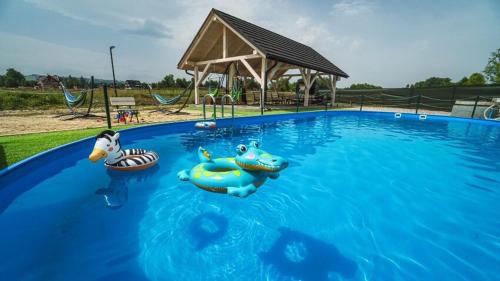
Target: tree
point(492, 69)
point(251, 84)
point(168, 81)
point(1, 81)
point(363, 86)
point(71, 82)
point(476, 79)
point(13, 78)
point(181, 82)
point(83, 82)
point(463, 81)
point(434, 82)
point(211, 83)
point(283, 84)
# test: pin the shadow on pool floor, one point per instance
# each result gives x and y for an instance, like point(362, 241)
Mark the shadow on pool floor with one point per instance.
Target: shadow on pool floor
point(206, 229)
point(303, 257)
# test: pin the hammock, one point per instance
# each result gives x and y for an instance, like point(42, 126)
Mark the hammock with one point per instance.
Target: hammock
point(236, 92)
point(164, 101)
point(213, 92)
point(74, 101)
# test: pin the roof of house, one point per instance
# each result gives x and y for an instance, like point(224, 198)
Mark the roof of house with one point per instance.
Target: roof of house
point(277, 47)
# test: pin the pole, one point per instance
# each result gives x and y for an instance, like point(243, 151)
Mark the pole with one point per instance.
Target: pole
point(417, 106)
point(362, 101)
point(475, 105)
point(113, 69)
point(106, 105)
point(91, 94)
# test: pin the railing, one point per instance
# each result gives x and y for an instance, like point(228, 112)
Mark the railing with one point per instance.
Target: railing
point(223, 101)
point(204, 105)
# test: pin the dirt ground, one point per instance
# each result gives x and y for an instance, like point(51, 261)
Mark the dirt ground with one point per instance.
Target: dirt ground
point(14, 122)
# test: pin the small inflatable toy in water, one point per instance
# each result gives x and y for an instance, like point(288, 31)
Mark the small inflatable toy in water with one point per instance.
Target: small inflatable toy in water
point(205, 125)
point(239, 176)
point(107, 145)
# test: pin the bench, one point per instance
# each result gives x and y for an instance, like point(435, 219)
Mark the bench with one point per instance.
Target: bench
point(129, 103)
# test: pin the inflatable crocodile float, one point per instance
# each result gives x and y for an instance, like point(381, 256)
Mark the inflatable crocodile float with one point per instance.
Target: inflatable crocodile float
point(239, 176)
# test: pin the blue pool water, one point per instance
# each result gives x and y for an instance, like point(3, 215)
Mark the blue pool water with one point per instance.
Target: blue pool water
point(365, 197)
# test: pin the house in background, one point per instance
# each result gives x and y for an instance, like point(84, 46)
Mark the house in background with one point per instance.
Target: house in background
point(132, 84)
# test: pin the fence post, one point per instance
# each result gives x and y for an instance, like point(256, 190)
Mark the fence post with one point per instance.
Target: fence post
point(362, 101)
point(106, 105)
point(475, 105)
point(417, 106)
point(410, 98)
point(453, 93)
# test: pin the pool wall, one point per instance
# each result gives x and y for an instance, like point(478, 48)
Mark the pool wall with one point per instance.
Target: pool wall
point(19, 177)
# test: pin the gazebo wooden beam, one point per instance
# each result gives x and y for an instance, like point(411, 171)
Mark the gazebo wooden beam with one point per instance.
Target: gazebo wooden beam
point(222, 60)
point(224, 41)
point(252, 71)
point(273, 71)
point(202, 33)
point(203, 74)
point(239, 35)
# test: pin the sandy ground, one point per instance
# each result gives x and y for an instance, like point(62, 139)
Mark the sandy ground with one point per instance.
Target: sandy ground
point(13, 122)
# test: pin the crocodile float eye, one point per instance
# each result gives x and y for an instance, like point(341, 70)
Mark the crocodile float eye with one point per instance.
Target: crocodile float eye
point(242, 148)
point(255, 144)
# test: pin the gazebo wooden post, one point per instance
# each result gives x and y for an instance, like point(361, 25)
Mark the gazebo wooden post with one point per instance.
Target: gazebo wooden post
point(308, 82)
point(263, 82)
point(333, 87)
point(196, 86)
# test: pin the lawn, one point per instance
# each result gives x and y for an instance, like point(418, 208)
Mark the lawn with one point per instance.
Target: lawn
point(17, 148)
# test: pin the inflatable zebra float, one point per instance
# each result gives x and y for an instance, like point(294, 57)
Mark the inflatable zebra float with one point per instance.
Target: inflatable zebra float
point(107, 145)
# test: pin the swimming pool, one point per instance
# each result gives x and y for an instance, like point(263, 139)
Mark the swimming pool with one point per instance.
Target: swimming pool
point(366, 196)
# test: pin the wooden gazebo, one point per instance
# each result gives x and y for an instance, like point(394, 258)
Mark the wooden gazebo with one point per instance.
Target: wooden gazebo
point(224, 39)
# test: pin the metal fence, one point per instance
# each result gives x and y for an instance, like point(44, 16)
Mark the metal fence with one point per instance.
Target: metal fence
point(436, 99)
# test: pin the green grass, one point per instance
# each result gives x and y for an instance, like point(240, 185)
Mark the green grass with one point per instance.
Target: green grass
point(26, 98)
point(17, 148)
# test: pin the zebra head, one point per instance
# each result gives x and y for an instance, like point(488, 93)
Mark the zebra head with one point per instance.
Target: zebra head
point(107, 145)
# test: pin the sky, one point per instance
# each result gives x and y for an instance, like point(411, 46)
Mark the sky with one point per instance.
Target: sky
point(388, 43)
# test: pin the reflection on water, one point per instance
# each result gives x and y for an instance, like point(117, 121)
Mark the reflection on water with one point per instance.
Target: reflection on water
point(115, 195)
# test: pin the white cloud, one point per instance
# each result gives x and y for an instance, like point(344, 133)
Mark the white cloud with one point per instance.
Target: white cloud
point(152, 28)
point(352, 7)
point(33, 56)
point(174, 23)
point(16, 51)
